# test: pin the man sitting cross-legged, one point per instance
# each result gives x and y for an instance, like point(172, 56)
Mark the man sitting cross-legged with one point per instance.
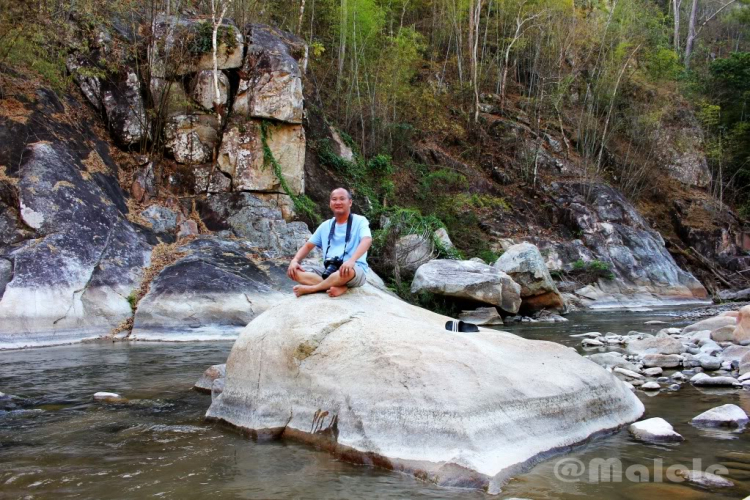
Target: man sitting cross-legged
point(344, 241)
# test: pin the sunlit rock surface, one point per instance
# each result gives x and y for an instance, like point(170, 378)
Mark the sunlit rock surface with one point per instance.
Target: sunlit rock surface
point(378, 381)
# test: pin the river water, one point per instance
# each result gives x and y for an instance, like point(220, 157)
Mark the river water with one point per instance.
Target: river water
point(59, 443)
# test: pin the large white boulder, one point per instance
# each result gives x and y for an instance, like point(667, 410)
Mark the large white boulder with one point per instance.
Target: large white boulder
point(465, 279)
point(378, 381)
point(525, 264)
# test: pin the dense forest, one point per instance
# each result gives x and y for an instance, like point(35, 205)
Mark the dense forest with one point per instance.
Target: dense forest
point(600, 82)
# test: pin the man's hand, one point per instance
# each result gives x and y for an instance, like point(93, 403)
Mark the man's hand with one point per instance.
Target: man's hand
point(347, 269)
point(294, 266)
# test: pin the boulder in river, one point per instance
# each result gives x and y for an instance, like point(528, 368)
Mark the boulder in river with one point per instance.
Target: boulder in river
point(728, 415)
point(378, 381)
point(710, 324)
point(656, 345)
point(662, 360)
point(525, 265)
point(472, 281)
point(212, 373)
point(654, 430)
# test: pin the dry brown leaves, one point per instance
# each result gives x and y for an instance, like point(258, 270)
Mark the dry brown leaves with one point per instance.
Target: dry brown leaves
point(5, 178)
point(14, 111)
point(94, 163)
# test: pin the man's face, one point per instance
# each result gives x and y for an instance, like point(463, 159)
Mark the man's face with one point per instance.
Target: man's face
point(340, 203)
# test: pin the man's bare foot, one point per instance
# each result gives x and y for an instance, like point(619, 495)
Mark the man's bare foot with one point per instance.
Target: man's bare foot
point(335, 291)
point(301, 290)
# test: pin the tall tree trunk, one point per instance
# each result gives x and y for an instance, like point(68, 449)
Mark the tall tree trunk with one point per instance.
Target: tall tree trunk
point(691, 33)
point(475, 10)
point(676, 4)
point(342, 42)
point(301, 17)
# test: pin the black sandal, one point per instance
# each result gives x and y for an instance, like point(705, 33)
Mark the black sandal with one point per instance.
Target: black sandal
point(460, 326)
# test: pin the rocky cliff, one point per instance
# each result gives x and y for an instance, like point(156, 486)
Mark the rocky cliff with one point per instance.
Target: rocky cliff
point(161, 200)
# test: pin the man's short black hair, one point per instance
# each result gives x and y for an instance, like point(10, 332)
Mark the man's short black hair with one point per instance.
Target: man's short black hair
point(348, 194)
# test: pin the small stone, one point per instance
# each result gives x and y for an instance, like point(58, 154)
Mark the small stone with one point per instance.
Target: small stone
point(592, 343)
point(628, 373)
point(654, 430)
point(655, 322)
point(188, 228)
point(662, 380)
point(701, 379)
point(679, 376)
point(675, 387)
point(109, 397)
point(653, 372)
point(588, 334)
point(728, 415)
point(651, 386)
point(662, 360)
point(705, 479)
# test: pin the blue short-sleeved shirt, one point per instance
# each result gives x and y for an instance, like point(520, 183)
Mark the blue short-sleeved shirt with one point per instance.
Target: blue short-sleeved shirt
point(360, 229)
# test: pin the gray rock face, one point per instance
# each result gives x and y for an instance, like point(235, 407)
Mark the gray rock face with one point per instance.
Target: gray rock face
point(468, 280)
point(210, 293)
point(90, 85)
point(203, 91)
point(412, 251)
point(6, 274)
point(241, 155)
point(259, 223)
point(191, 139)
point(178, 48)
point(369, 379)
point(123, 104)
point(71, 282)
point(681, 150)
point(612, 231)
point(272, 87)
point(525, 265)
point(162, 219)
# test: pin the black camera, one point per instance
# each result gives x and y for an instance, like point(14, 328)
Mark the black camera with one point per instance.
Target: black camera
point(331, 266)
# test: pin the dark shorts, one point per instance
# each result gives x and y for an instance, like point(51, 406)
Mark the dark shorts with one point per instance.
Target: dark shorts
point(359, 279)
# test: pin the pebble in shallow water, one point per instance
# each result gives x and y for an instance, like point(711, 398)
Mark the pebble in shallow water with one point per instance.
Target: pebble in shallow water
point(705, 479)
